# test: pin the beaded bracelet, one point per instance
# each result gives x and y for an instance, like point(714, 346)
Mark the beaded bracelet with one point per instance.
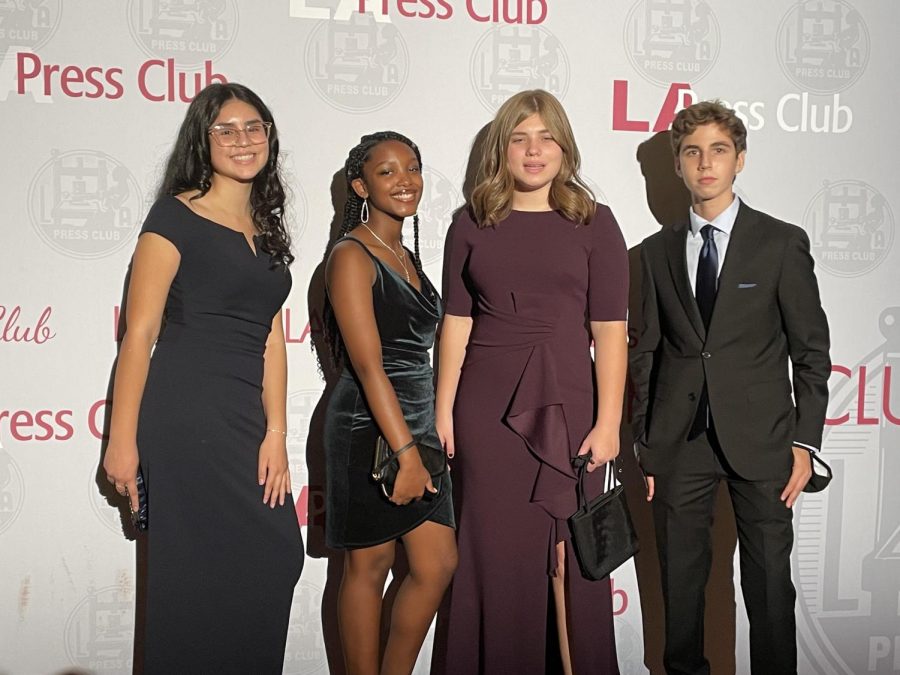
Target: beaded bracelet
point(278, 431)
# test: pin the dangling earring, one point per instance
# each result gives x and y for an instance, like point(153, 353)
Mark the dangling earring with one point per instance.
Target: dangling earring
point(364, 212)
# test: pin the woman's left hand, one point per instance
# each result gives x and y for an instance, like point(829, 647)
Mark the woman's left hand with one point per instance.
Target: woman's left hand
point(273, 469)
point(602, 444)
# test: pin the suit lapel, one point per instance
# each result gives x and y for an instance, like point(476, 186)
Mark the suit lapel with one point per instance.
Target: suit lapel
point(745, 238)
point(676, 256)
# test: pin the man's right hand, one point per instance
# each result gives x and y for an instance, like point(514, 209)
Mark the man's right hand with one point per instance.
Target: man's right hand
point(649, 482)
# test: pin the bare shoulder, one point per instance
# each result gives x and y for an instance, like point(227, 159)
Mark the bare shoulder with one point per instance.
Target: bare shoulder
point(348, 258)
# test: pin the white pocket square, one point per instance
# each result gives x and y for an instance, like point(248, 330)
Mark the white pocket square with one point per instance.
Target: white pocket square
point(746, 285)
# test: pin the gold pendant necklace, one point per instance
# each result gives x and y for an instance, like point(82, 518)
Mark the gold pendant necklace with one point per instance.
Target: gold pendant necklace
point(396, 255)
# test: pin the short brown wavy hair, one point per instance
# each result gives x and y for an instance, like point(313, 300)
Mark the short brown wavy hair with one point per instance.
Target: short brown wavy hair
point(491, 199)
point(708, 112)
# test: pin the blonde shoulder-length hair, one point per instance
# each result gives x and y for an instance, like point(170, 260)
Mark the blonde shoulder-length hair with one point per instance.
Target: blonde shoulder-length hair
point(492, 195)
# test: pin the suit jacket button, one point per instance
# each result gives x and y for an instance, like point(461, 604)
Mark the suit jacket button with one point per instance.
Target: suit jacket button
point(692, 396)
point(705, 355)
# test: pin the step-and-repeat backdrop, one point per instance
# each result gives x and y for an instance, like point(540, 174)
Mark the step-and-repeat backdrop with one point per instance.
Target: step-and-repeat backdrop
point(92, 94)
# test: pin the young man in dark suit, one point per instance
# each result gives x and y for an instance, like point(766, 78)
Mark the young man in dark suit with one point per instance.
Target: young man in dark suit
point(730, 301)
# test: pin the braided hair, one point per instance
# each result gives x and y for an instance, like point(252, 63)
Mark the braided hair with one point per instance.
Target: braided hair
point(353, 169)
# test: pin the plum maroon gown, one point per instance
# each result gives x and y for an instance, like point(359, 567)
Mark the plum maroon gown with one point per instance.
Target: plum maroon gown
point(524, 405)
point(221, 565)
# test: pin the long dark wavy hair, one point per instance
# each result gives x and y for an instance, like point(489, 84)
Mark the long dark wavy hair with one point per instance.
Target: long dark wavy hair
point(189, 166)
point(353, 169)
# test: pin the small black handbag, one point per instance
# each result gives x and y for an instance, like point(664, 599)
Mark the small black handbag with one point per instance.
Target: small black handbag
point(140, 518)
point(602, 532)
point(817, 482)
point(386, 465)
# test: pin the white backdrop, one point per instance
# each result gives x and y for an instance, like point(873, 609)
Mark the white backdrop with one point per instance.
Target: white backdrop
point(92, 94)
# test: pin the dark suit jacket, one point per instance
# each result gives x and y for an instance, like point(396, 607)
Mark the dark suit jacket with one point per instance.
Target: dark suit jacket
point(767, 316)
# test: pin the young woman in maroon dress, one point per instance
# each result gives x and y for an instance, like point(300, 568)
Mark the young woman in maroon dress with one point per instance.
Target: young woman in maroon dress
point(535, 269)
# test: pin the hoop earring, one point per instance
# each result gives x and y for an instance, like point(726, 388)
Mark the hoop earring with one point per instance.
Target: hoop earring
point(364, 212)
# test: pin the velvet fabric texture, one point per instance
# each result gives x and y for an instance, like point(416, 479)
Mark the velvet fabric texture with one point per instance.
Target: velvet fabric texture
point(358, 514)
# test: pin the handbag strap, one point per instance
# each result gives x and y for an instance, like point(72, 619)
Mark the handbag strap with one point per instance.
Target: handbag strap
point(394, 455)
point(580, 464)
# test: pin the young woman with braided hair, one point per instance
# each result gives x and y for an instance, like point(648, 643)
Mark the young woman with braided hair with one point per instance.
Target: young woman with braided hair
point(380, 320)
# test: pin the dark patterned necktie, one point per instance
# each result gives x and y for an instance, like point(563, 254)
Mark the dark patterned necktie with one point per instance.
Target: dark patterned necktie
point(707, 274)
point(705, 293)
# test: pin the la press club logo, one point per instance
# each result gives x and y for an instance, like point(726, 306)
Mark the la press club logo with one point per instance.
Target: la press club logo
point(99, 630)
point(513, 58)
point(28, 25)
point(851, 227)
point(847, 561)
point(305, 653)
point(823, 45)
point(189, 31)
point(668, 40)
point(12, 490)
point(358, 65)
point(84, 203)
point(439, 199)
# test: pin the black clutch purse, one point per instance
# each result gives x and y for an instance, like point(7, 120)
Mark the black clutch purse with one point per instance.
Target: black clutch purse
point(385, 464)
point(602, 532)
point(140, 518)
point(818, 481)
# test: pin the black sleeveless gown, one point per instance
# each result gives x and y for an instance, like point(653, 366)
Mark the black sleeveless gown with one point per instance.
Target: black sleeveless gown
point(358, 514)
point(221, 564)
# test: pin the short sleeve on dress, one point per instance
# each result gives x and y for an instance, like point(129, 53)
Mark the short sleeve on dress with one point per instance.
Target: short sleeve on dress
point(458, 299)
point(165, 220)
point(608, 269)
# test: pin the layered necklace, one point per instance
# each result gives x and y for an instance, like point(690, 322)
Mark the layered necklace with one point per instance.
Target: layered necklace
point(400, 258)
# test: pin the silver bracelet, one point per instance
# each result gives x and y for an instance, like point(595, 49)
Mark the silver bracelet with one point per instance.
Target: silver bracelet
point(278, 431)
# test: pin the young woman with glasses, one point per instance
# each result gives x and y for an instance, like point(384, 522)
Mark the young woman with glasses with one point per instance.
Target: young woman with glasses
point(205, 417)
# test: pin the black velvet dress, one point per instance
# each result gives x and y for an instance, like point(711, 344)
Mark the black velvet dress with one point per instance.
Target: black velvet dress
point(358, 514)
point(221, 564)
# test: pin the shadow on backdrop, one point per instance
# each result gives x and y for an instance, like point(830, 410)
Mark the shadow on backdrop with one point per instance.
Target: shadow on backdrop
point(315, 459)
point(315, 442)
point(439, 646)
point(120, 504)
point(669, 202)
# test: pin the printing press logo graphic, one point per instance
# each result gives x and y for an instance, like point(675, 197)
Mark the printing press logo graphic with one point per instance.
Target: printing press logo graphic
point(439, 199)
point(300, 408)
point(84, 203)
point(297, 212)
point(99, 630)
point(12, 490)
point(357, 66)
point(305, 651)
point(28, 24)
point(823, 45)
point(847, 559)
point(510, 59)
point(851, 227)
point(189, 31)
point(672, 40)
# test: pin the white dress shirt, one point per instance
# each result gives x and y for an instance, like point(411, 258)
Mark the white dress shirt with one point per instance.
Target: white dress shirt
point(722, 224)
